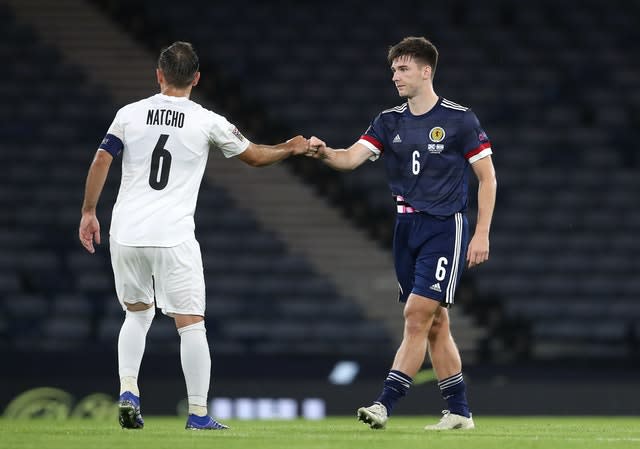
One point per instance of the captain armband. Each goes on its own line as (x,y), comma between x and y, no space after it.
(112,144)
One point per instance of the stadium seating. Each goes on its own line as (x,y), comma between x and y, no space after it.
(558,94)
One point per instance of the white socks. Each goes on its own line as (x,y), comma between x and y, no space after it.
(194,355)
(131,343)
(196,365)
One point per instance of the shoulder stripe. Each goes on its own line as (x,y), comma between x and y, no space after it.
(451,105)
(399,109)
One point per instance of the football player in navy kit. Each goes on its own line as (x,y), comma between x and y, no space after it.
(427,145)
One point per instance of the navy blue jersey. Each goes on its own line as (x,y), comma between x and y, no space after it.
(427,156)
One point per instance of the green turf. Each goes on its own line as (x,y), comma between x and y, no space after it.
(331,433)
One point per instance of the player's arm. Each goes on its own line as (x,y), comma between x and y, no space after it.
(258,155)
(339,159)
(478,251)
(89,225)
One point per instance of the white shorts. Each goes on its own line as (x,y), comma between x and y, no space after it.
(174,274)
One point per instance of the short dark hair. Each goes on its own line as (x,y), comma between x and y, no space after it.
(418,48)
(179,63)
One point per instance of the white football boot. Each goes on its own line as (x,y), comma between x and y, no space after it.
(375,415)
(450,421)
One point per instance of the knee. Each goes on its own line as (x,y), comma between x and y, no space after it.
(187,320)
(138,306)
(198,326)
(416,324)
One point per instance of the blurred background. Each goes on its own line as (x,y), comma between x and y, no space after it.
(301,295)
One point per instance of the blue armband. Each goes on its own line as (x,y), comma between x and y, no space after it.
(112,144)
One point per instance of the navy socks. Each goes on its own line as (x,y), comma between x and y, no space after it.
(453,391)
(396,386)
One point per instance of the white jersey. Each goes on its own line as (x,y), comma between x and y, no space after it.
(165,142)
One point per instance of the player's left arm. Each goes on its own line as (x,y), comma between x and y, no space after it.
(89,225)
(478,250)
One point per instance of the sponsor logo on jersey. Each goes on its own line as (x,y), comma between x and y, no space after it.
(397,139)
(436,134)
(238,134)
(435,148)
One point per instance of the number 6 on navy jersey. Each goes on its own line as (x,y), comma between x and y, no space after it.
(415,163)
(160,164)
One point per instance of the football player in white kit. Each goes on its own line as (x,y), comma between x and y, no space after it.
(164,141)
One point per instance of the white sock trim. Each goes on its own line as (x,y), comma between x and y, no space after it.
(198,410)
(129,383)
(144,317)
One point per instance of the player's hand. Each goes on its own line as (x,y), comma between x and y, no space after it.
(478,251)
(299,145)
(89,231)
(317,148)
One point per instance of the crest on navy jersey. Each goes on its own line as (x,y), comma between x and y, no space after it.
(436,134)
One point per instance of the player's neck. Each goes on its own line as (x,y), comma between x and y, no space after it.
(175,92)
(422,103)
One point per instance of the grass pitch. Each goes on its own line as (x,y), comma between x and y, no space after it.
(331,433)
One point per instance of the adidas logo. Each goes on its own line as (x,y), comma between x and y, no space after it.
(397,139)
(436,287)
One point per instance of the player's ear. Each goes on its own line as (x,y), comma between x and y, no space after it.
(426,72)
(159,76)
(196,79)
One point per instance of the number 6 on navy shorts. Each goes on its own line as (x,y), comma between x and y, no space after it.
(429,255)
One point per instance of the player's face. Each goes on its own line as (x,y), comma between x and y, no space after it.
(408,76)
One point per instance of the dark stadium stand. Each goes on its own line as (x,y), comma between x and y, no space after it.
(559,95)
(55,296)
(557,92)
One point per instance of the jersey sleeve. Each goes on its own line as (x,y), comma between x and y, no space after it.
(373,138)
(225,136)
(475,142)
(113,140)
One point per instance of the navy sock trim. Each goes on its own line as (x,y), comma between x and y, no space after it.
(451,381)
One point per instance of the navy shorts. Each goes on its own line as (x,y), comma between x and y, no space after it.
(429,255)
